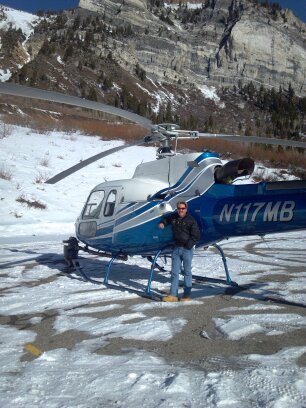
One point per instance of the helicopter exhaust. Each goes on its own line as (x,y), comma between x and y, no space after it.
(234,169)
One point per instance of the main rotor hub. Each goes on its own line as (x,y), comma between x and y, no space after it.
(167,132)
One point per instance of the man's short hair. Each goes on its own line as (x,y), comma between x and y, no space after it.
(182,203)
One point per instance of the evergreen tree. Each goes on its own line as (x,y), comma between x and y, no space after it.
(68,52)
(92,94)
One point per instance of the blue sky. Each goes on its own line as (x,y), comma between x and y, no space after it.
(34,5)
(298,6)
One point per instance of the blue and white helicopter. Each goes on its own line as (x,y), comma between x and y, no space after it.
(120,218)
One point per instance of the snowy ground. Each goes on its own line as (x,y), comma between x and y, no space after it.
(70,343)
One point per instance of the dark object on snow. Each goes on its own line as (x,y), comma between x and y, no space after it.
(71,250)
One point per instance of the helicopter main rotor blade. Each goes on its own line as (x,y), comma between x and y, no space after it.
(8,88)
(254,139)
(92,159)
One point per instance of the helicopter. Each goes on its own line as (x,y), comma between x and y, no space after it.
(120,218)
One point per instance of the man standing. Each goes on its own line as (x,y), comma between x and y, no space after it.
(186,233)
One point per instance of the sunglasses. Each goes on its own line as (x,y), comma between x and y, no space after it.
(181,208)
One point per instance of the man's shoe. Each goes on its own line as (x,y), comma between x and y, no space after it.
(185,299)
(170,298)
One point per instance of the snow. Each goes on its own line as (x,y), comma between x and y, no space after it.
(5,75)
(237,327)
(209,92)
(18,19)
(43,156)
(190,6)
(34,293)
(59,60)
(162,98)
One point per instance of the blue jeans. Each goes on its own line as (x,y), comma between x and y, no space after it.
(180,255)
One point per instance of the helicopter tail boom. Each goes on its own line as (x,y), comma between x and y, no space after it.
(259,209)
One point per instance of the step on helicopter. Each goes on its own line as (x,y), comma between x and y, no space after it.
(120,218)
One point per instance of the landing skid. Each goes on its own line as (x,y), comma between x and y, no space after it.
(199,278)
(70,254)
(153,295)
(228,278)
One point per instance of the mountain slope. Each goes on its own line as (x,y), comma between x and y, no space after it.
(15,28)
(222,65)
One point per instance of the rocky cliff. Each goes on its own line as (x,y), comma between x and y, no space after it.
(221,66)
(216,42)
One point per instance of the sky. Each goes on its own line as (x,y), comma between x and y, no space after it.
(298,6)
(36,292)
(34,5)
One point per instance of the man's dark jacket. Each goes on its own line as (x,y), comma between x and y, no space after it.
(185,230)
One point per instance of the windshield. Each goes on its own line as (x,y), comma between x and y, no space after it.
(93,205)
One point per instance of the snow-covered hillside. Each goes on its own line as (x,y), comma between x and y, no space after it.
(29,158)
(18,20)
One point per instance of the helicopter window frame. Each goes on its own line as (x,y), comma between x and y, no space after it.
(109,206)
(93,205)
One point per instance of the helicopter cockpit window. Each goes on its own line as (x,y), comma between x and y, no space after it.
(93,205)
(110,204)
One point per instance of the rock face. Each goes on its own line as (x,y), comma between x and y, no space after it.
(15,28)
(216,42)
(107,5)
(268,51)
(230,66)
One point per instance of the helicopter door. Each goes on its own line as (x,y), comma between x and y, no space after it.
(107,216)
(110,203)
